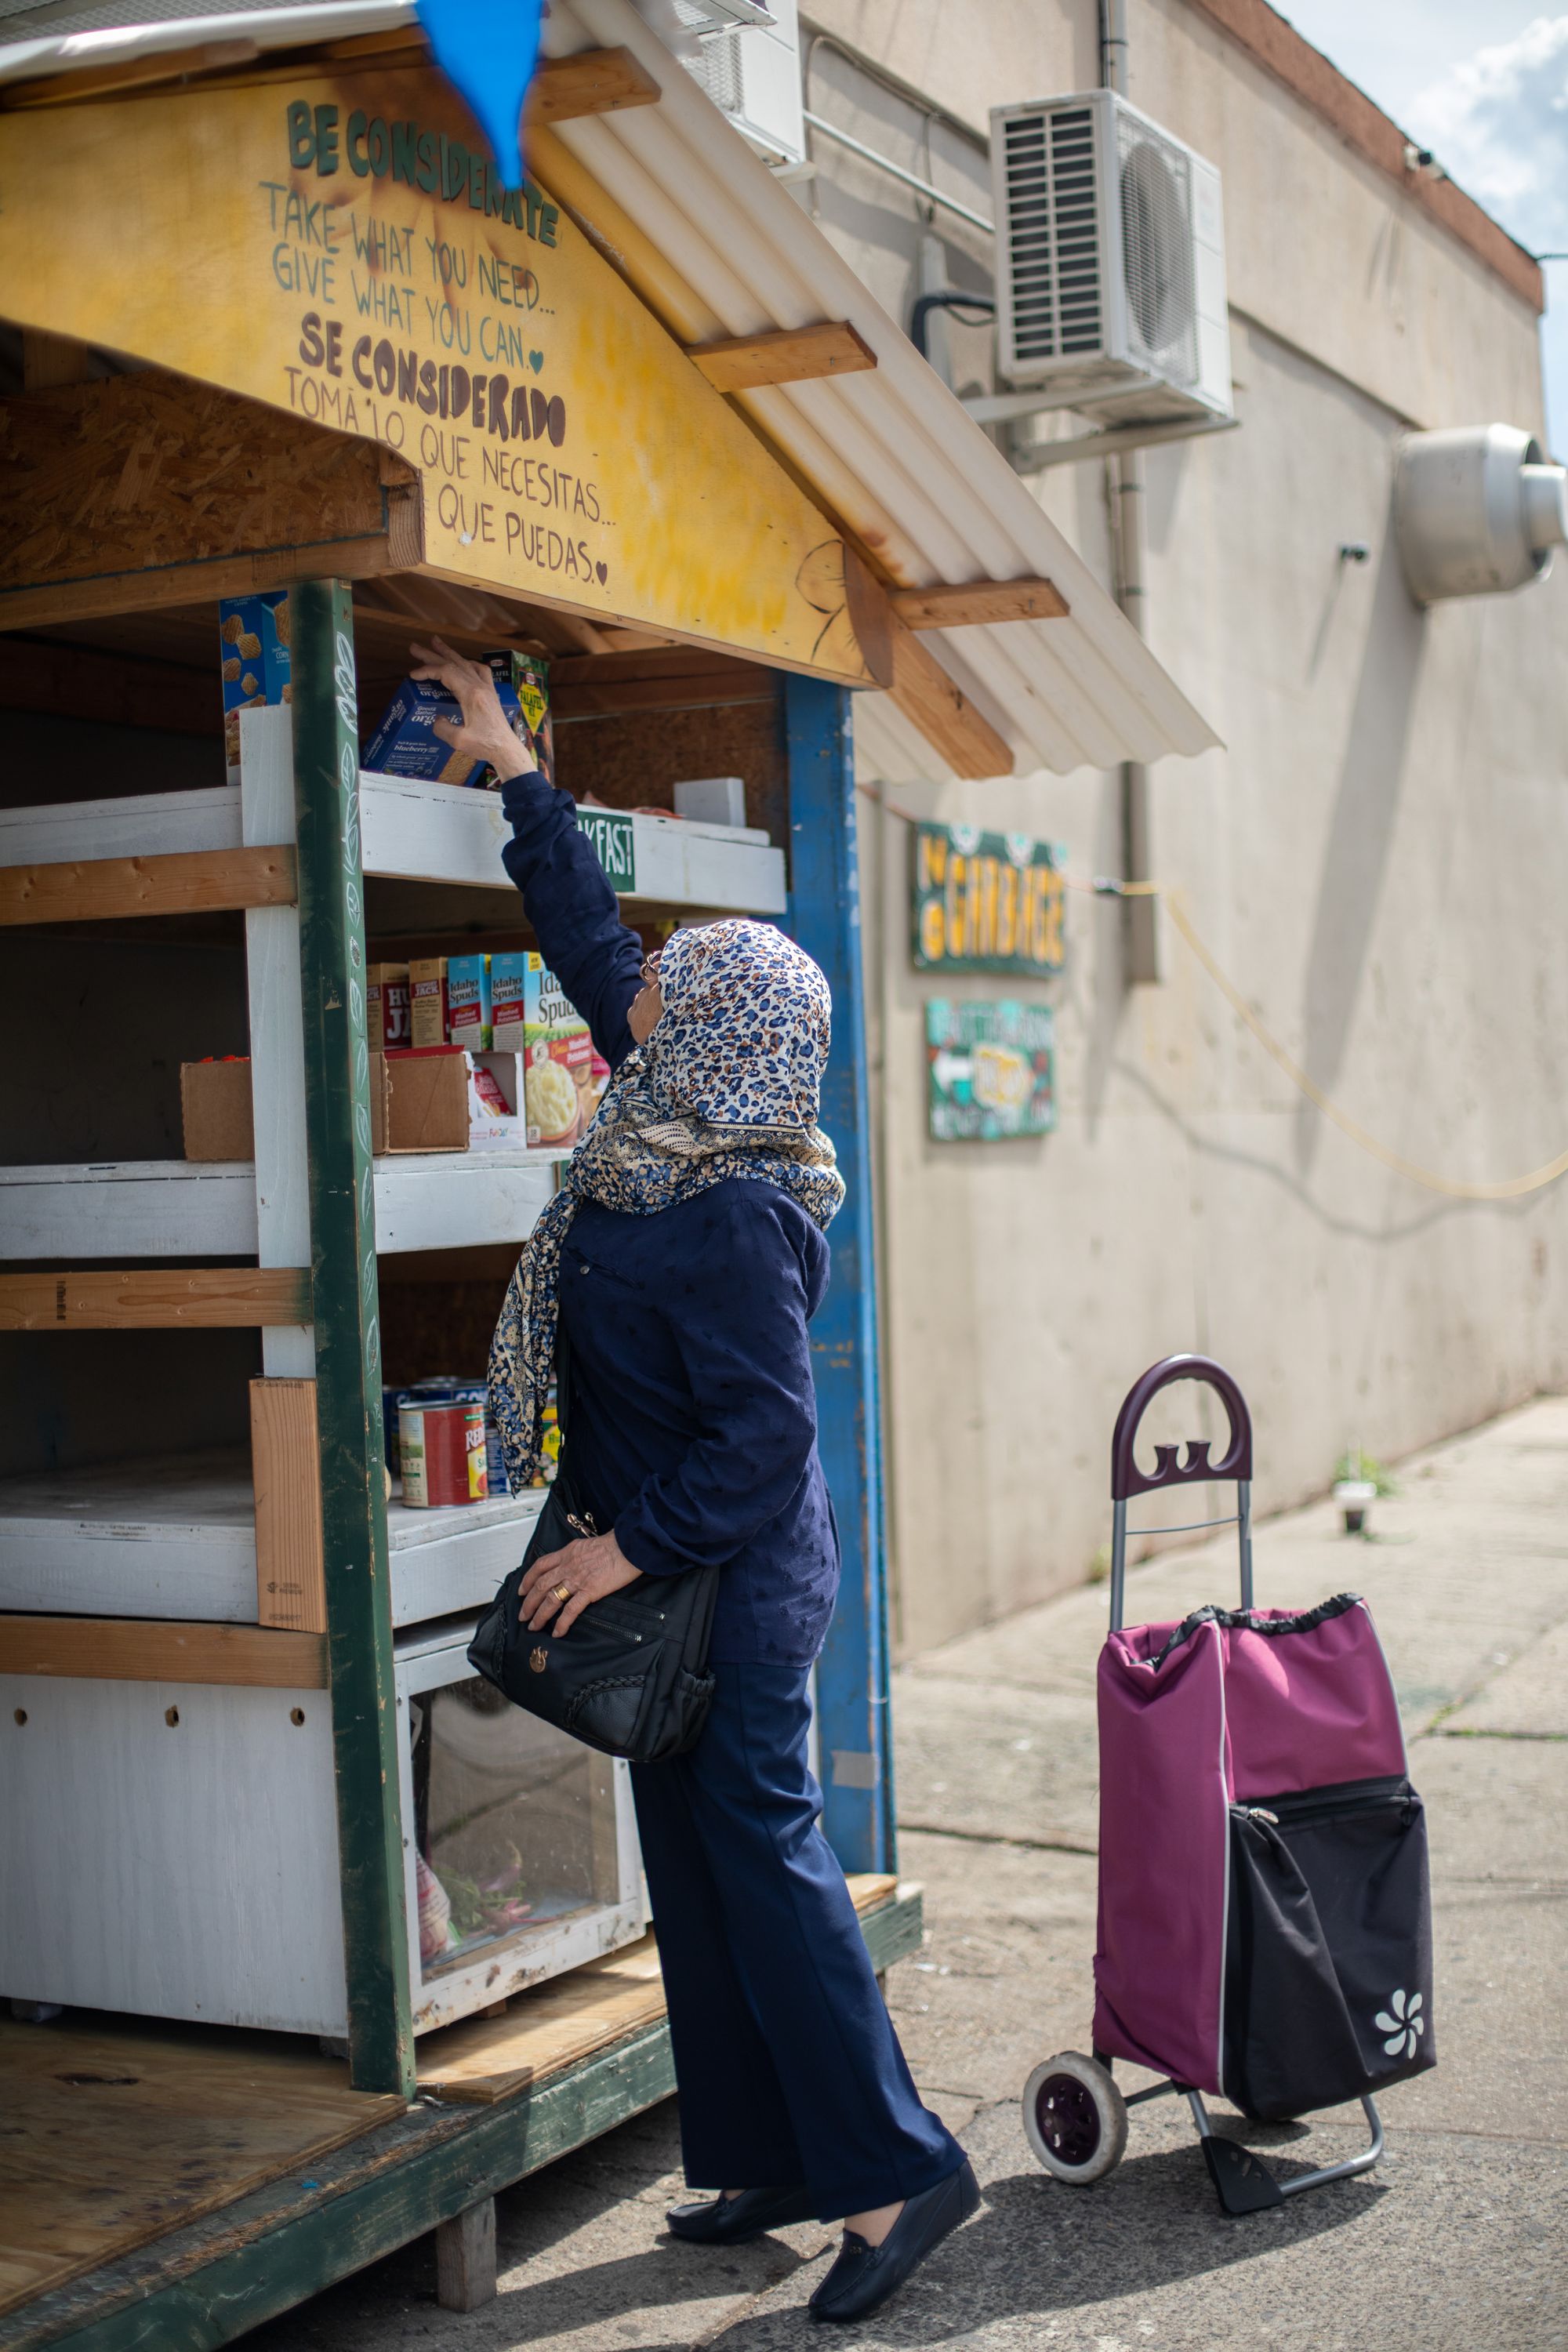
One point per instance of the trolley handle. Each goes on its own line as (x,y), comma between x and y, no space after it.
(1170,1470)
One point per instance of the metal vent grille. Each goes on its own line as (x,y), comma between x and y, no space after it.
(717,66)
(1154,177)
(1053,234)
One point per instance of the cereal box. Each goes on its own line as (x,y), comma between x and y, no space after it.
(469,1001)
(427,1001)
(253,642)
(406,744)
(525,677)
(387,1007)
(562,1077)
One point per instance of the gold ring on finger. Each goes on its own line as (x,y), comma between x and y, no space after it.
(561,1592)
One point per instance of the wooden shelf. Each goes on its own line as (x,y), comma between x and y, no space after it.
(176,1538)
(411,832)
(191,1208)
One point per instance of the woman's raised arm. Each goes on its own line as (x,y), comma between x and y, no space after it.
(566,894)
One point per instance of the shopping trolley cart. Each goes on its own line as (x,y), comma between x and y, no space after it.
(1265,1928)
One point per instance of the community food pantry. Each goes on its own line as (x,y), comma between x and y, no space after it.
(310,1943)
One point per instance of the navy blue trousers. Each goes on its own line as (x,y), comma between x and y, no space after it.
(786,2064)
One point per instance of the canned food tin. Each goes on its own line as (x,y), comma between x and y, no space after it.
(442,1448)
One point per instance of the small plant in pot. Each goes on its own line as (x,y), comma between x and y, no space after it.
(1359,1482)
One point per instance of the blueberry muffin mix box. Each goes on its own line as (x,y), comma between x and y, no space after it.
(253,638)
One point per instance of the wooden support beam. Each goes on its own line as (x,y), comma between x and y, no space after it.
(286,1469)
(596,82)
(929,698)
(183,882)
(148,489)
(188,1298)
(153,1649)
(466,2258)
(791,355)
(978,601)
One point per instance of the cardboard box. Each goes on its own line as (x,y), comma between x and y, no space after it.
(525,677)
(428,1003)
(406,744)
(419,1100)
(497,1125)
(387,1007)
(255,658)
(469,1001)
(214,1109)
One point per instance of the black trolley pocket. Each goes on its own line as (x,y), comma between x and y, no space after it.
(1328,1988)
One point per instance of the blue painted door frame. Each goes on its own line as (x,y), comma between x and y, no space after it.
(853,1718)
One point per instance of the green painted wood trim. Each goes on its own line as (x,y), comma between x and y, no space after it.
(348,1338)
(292,2239)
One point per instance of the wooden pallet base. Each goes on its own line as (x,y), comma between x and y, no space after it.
(205,2280)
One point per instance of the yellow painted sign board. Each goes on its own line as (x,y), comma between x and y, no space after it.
(338,246)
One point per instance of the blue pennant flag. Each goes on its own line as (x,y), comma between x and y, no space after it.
(488,50)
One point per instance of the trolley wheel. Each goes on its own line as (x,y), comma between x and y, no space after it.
(1075,2117)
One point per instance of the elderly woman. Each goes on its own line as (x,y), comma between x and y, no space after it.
(691,1264)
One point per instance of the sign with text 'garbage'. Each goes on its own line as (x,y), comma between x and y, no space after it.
(986,902)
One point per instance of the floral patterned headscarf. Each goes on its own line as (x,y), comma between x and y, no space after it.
(728,1085)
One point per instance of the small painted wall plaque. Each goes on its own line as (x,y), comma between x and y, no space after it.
(991,1070)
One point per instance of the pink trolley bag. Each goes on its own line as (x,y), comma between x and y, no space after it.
(1265,1927)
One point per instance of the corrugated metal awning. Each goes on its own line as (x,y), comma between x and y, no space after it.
(717,246)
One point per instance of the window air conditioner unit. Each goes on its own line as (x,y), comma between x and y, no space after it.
(750,70)
(1109,261)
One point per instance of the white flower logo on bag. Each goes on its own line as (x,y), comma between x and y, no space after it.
(1404,2026)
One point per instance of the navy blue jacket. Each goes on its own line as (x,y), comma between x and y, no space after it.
(693,1409)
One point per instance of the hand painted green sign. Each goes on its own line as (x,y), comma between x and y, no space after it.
(613,838)
(986,902)
(992,1070)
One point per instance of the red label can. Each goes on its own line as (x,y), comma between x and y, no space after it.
(442,1448)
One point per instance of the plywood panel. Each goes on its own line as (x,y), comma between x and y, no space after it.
(541,2032)
(147,489)
(286,1463)
(113,2137)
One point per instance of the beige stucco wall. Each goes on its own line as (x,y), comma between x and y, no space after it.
(1379,857)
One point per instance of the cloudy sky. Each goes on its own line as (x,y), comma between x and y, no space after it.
(1483,83)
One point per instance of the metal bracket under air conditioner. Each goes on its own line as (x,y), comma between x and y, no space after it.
(1077,448)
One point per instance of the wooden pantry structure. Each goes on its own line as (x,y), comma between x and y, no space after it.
(272,323)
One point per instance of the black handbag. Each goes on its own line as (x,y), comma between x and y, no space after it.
(631,1678)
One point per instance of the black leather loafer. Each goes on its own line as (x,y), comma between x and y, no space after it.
(864,2276)
(726,2221)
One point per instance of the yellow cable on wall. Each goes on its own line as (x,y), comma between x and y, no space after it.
(1510,1188)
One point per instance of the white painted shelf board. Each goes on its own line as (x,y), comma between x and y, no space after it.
(410,831)
(175,1536)
(202,1208)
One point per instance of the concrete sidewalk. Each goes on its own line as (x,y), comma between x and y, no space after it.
(1458,2242)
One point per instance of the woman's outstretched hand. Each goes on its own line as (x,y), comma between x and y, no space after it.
(484,733)
(588,1569)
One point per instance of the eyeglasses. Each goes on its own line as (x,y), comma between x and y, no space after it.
(650,963)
